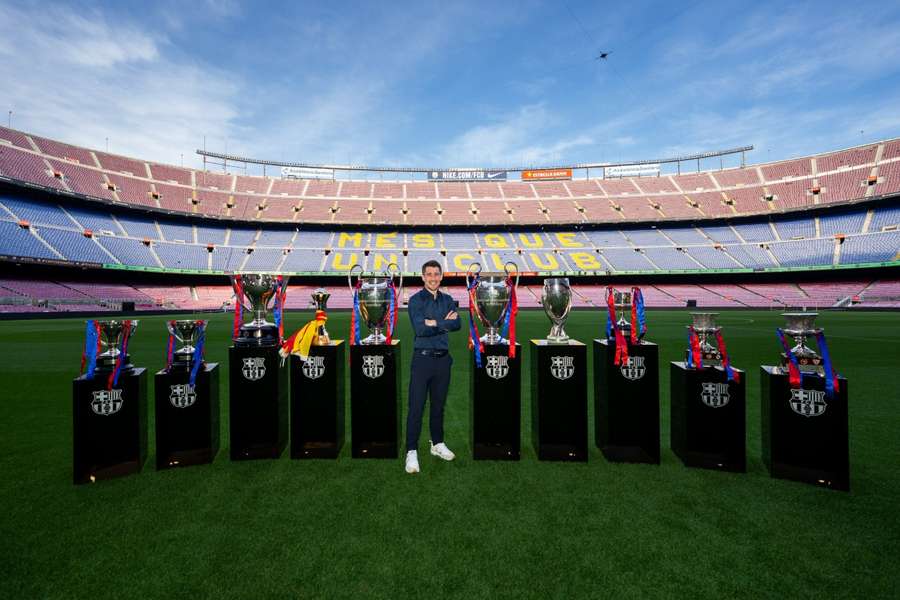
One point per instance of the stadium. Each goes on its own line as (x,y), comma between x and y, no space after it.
(92,234)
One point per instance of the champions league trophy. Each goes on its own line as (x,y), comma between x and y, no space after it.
(376,302)
(375,363)
(259,290)
(804,410)
(557,300)
(493,293)
(109,405)
(186,399)
(708,401)
(320,298)
(258,378)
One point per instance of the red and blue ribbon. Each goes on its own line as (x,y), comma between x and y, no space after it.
(238,286)
(475,343)
(355,316)
(392,311)
(612,329)
(280,298)
(795,378)
(832,384)
(638,324)
(199,348)
(726,362)
(170,347)
(695,355)
(91,348)
(509,318)
(123,352)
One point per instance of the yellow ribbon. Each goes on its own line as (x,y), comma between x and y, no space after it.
(303,338)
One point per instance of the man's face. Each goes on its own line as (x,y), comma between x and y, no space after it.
(432,278)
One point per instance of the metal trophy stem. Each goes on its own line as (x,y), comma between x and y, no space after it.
(801,326)
(320,298)
(374,299)
(186,332)
(492,296)
(556,298)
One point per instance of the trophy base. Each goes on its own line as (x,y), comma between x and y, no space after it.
(258,403)
(489,340)
(375,400)
(558,340)
(317,402)
(805,433)
(374,339)
(626,402)
(495,396)
(708,424)
(109,426)
(187,420)
(559,417)
(257,336)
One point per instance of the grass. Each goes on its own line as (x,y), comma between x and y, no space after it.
(354,528)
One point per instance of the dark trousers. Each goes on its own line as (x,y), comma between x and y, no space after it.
(428,376)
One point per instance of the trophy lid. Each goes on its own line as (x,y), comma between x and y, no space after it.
(800,323)
(704,321)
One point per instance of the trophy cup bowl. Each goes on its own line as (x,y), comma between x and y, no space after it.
(556,298)
(492,297)
(259,289)
(374,301)
(704,324)
(320,298)
(111,332)
(186,332)
(799,326)
(622,301)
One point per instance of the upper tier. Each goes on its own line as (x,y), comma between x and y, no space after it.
(838,177)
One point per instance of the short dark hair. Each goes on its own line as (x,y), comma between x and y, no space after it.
(432,263)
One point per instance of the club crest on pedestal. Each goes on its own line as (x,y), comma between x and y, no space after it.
(497,366)
(182,395)
(106,402)
(313,367)
(809,403)
(714,395)
(562,367)
(634,368)
(373,366)
(254,368)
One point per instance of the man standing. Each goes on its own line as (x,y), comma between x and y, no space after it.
(433,315)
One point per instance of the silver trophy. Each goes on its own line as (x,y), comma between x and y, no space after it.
(557,300)
(111,333)
(492,298)
(704,325)
(622,301)
(320,298)
(801,326)
(259,289)
(374,299)
(186,331)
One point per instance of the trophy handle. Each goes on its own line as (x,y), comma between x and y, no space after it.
(507,270)
(389,273)
(472,272)
(350,276)
(238,295)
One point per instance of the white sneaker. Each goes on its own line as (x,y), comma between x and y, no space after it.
(443,451)
(412,462)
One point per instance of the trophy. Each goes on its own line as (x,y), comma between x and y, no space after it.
(320,298)
(376,300)
(701,332)
(800,326)
(492,296)
(258,289)
(622,301)
(557,300)
(186,332)
(111,335)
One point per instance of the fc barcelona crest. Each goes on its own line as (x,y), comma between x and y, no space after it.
(373,366)
(809,403)
(254,368)
(313,367)
(182,395)
(497,366)
(633,369)
(562,367)
(714,395)
(106,402)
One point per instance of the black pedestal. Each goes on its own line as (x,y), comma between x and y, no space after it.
(708,422)
(375,400)
(559,400)
(187,419)
(258,403)
(495,393)
(804,433)
(317,402)
(109,437)
(626,402)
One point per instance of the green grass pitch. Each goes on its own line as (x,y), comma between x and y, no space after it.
(466,529)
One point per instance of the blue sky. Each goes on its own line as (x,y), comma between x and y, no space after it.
(452,84)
